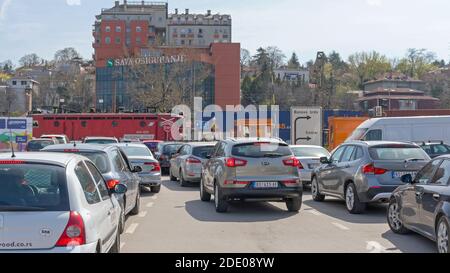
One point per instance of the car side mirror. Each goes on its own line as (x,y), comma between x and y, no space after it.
(120,189)
(325,160)
(407,179)
(208,156)
(137,169)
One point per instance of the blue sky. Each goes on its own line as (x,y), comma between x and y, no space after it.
(303,26)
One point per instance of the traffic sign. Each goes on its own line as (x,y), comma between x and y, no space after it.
(306,126)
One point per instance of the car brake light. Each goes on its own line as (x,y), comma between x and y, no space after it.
(294,162)
(234,162)
(291,182)
(193,160)
(111,184)
(11,162)
(156,166)
(370,169)
(236,183)
(300,166)
(71,151)
(74,234)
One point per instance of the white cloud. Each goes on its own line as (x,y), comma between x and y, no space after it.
(374,3)
(73,2)
(3,8)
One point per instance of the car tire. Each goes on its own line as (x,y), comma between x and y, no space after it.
(315,191)
(116,246)
(442,235)
(122,220)
(137,206)
(172,178)
(220,202)
(354,206)
(294,204)
(183,183)
(393,218)
(156,189)
(204,195)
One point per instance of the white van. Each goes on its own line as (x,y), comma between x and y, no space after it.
(406,129)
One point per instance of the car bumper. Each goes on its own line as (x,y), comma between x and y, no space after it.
(262,194)
(150,179)
(378,194)
(306,176)
(88,248)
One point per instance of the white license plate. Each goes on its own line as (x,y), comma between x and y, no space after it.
(400,174)
(265,185)
(313,166)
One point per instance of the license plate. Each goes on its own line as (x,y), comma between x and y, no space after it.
(313,166)
(400,174)
(265,185)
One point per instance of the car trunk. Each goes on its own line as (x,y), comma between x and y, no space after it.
(144,162)
(31,230)
(396,169)
(266,169)
(309,163)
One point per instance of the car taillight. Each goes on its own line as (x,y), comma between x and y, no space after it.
(11,162)
(71,151)
(294,162)
(156,166)
(300,166)
(111,184)
(370,169)
(291,182)
(234,162)
(193,160)
(74,234)
(236,183)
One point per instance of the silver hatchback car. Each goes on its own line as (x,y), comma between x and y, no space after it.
(252,170)
(366,172)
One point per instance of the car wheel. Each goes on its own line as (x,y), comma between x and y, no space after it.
(220,203)
(116,247)
(394,221)
(204,195)
(172,178)
(294,204)
(315,191)
(137,206)
(354,206)
(183,183)
(156,189)
(122,220)
(442,235)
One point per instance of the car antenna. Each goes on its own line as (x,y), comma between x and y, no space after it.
(74,144)
(13,154)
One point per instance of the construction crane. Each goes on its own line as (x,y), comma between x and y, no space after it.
(323,87)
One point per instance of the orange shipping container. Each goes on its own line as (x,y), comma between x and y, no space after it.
(340,128)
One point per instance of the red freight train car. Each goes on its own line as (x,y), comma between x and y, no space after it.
(128,126)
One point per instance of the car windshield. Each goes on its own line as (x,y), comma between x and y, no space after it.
(100,141)
(310,152)
(137,151)
(202,152)
(33,187)
(261,149)
(39,144)
(395,152)
(358,134)
(171,148)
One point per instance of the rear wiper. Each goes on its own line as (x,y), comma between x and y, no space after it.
(20,208)
(273,155)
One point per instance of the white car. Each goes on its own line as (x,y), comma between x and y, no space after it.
(56,203)
(62,139)
(309,157)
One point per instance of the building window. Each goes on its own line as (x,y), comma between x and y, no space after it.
(118,40)
(118,29)
(200,30)
(128,41)
(23,83)
(108,29)
(14,82)
(190,42)
(138,40)
(107,40)
(182,42)
(138,29)
(128,30)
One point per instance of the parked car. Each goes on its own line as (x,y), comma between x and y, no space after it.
(366,172)
(252,170)
(165,152)
(422,205)
(435,149)
(309,157)
(186,165)
(62,139)
(35,145)
(152,145)
(115,168)
(57,203)
(140,155)
(100,140)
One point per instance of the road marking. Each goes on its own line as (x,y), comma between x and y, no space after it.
(142,214)
(149,205)
(122,245)
(154,197)
(375,247)
(132,228)
(340,226)
(315,212)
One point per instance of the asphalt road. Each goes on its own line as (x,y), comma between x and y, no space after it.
(175,220)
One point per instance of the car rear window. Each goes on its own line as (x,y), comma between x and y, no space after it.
(137,151)
(203,152)
(310,152)
(171,149)
(100,141)
(33,187)
(397,152)
(261,149)
(100,159)
(39,144)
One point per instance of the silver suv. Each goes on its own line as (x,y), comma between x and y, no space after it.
(365,172)
(251,170)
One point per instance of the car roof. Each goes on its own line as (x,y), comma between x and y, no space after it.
(91,147)
(41,139)
(201,144)
(377,143)
(254,139)
(61,159)
(136,145)
(97,137)
(51,135)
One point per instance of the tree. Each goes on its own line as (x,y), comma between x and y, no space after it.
(368,66)
(66,55)
(417,63)
(245,57)
(276,57)
(293,62)
(30,60)
(6,67)
(339,65)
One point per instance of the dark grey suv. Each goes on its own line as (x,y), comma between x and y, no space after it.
(251,170)
(364,172)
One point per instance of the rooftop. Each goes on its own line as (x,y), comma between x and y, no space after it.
(142,7)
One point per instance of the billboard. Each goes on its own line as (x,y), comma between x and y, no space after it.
(16,130)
